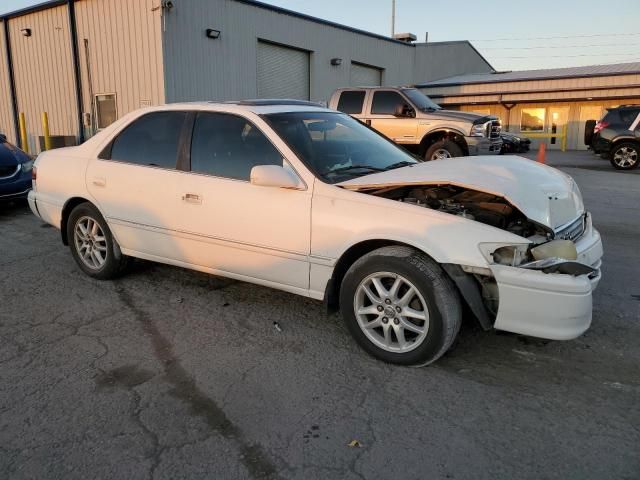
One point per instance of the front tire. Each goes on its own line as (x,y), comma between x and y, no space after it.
(625,156)
(442,150)
(400,306)
(92,245)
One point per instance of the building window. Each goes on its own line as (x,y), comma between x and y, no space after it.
(106,112)
(532,119)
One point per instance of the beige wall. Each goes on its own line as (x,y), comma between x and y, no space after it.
(125,52)
(43,70)
(6,110)
(575,139)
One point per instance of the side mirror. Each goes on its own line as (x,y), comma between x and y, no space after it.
(274,176)
(3,138)
(403,110)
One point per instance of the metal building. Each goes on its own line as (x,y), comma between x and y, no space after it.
(88,62)
(542,102)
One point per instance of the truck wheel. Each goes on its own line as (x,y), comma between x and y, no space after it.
(625,156)
(400,306)
(443,149)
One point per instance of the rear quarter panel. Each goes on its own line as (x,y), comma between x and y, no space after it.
(60,176)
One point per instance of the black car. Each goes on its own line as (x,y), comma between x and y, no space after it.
(617,136)
(15,171)
(514,144)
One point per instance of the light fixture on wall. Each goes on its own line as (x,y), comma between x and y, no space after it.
(336,62)
(212,33)
(26,32)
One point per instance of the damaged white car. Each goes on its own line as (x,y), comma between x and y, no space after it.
(307,200)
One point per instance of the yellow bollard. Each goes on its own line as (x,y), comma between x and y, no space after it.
(24,144)
(45,131)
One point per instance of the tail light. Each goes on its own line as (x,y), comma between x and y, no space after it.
(601,125)
(34,174)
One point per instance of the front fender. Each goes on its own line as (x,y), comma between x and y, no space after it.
(343,218)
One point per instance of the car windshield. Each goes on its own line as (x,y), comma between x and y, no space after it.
(420,100)
(337,147)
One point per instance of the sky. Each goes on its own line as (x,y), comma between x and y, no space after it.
(511,34)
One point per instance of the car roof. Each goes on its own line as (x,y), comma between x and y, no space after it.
(259,107)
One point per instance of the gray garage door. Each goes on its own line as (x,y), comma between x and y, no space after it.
(282,72)
(363,76)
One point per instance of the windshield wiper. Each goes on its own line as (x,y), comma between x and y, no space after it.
(356,167)
(404,163)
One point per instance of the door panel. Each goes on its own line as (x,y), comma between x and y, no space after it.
(141,204)
(136,185)
(232,225)
(382,118)
(557,123)
(260,232)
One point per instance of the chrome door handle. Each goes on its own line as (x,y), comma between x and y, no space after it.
(192,198)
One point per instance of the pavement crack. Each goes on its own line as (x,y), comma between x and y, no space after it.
(186,389)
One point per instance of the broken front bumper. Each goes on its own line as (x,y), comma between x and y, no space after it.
(549,305)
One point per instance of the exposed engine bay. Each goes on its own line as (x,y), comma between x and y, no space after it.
(474,205)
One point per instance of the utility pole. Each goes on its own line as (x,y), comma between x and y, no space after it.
(393,18)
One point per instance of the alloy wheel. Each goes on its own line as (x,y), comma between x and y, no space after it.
(391,312)
(90,242)
(625,157)
(440,154)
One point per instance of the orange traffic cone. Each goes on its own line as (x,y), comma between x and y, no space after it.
(542,152)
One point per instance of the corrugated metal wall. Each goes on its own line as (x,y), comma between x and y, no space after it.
(43,70)
(6,109)
(125,52)
(198,68)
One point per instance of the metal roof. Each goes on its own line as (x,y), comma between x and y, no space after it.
(545,74)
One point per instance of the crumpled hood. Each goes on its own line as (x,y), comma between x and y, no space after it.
(545,195)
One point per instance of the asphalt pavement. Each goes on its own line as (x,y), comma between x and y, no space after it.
(168,373)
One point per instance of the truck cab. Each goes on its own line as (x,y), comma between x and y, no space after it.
(411,119)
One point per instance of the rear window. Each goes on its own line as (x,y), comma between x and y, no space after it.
(351,102)
(628,115)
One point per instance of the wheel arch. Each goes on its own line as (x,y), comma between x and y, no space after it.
(464,283)
(350,255)
(68,207)
(434,136)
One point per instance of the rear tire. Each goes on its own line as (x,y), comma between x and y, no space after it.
(92,244)
(443,149)
(393,323)
(625,156)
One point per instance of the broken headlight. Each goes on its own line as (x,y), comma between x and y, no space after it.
(511,255)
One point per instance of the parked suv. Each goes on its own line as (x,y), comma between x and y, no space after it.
(617,136)
(409,118)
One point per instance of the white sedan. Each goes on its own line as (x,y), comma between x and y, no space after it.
(308,200)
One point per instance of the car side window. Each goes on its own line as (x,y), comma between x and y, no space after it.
(385,103)
(229,146)
(351,102)
(629,116)
(152,139)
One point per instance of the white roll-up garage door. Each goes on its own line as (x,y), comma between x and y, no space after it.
(363,76)
(282,72)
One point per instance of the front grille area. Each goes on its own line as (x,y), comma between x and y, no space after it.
(573,231)
(496,128)
(8,171)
